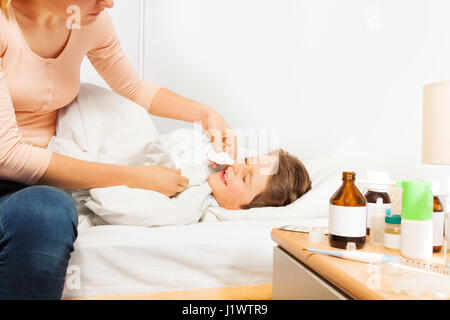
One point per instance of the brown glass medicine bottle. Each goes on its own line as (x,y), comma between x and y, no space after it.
(347,217)
(437,209)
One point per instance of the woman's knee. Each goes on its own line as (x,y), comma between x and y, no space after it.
(37,231)
(40,211)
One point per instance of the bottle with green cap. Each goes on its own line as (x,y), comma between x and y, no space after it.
(392,232)
(416,240)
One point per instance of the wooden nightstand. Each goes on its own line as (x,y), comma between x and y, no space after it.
(298,274)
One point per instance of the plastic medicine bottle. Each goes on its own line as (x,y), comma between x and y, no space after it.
(438,224)
(392,232)
(377,224)
(416,240)
(347,215)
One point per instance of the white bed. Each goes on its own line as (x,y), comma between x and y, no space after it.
(110,260)
(228,248)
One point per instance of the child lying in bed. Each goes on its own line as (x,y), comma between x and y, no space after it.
(277,179)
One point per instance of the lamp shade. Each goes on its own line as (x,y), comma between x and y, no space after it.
(436,123)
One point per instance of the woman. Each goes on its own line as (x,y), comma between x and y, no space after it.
(40,59)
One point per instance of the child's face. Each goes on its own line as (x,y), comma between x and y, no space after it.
(239,184)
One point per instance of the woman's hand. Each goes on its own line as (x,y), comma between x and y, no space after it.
(220,133)
(158,178)
(168,104)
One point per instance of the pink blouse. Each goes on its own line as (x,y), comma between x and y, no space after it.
(32,89)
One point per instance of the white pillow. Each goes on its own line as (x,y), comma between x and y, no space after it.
(314,204)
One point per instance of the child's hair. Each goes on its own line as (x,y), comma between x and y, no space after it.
(4,4)
(290,182)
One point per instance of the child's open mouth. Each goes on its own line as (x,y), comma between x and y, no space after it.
(224,176)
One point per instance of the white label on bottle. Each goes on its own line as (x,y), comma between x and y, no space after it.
(416,240)
(371,207)
(391,241)
(438,228)
(347,221)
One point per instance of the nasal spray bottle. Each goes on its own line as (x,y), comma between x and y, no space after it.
(416,240)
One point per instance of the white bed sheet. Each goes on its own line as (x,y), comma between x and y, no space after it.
(110,260)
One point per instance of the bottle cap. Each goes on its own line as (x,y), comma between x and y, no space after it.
(348,175)
(436,188)
(417,200)
(395,219)
(379,209)
(378,180)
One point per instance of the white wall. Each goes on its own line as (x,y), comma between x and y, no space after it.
(125,15)
(320,71)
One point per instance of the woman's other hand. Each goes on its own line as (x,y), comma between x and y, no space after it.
(220,133)
(158,178)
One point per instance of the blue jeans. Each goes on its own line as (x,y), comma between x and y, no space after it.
(38,226)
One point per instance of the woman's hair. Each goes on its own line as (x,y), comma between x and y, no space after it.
(4,4)
(289,183)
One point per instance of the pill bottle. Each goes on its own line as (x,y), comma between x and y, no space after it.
(392,232)
(347,215)
(416,241)
(377,224)
(378,184)
(438,219)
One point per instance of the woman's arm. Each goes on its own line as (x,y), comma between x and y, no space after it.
(69,173)
(108,58)
(111,63)
(168,104)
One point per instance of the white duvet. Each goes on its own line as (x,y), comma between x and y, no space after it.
(102,126)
